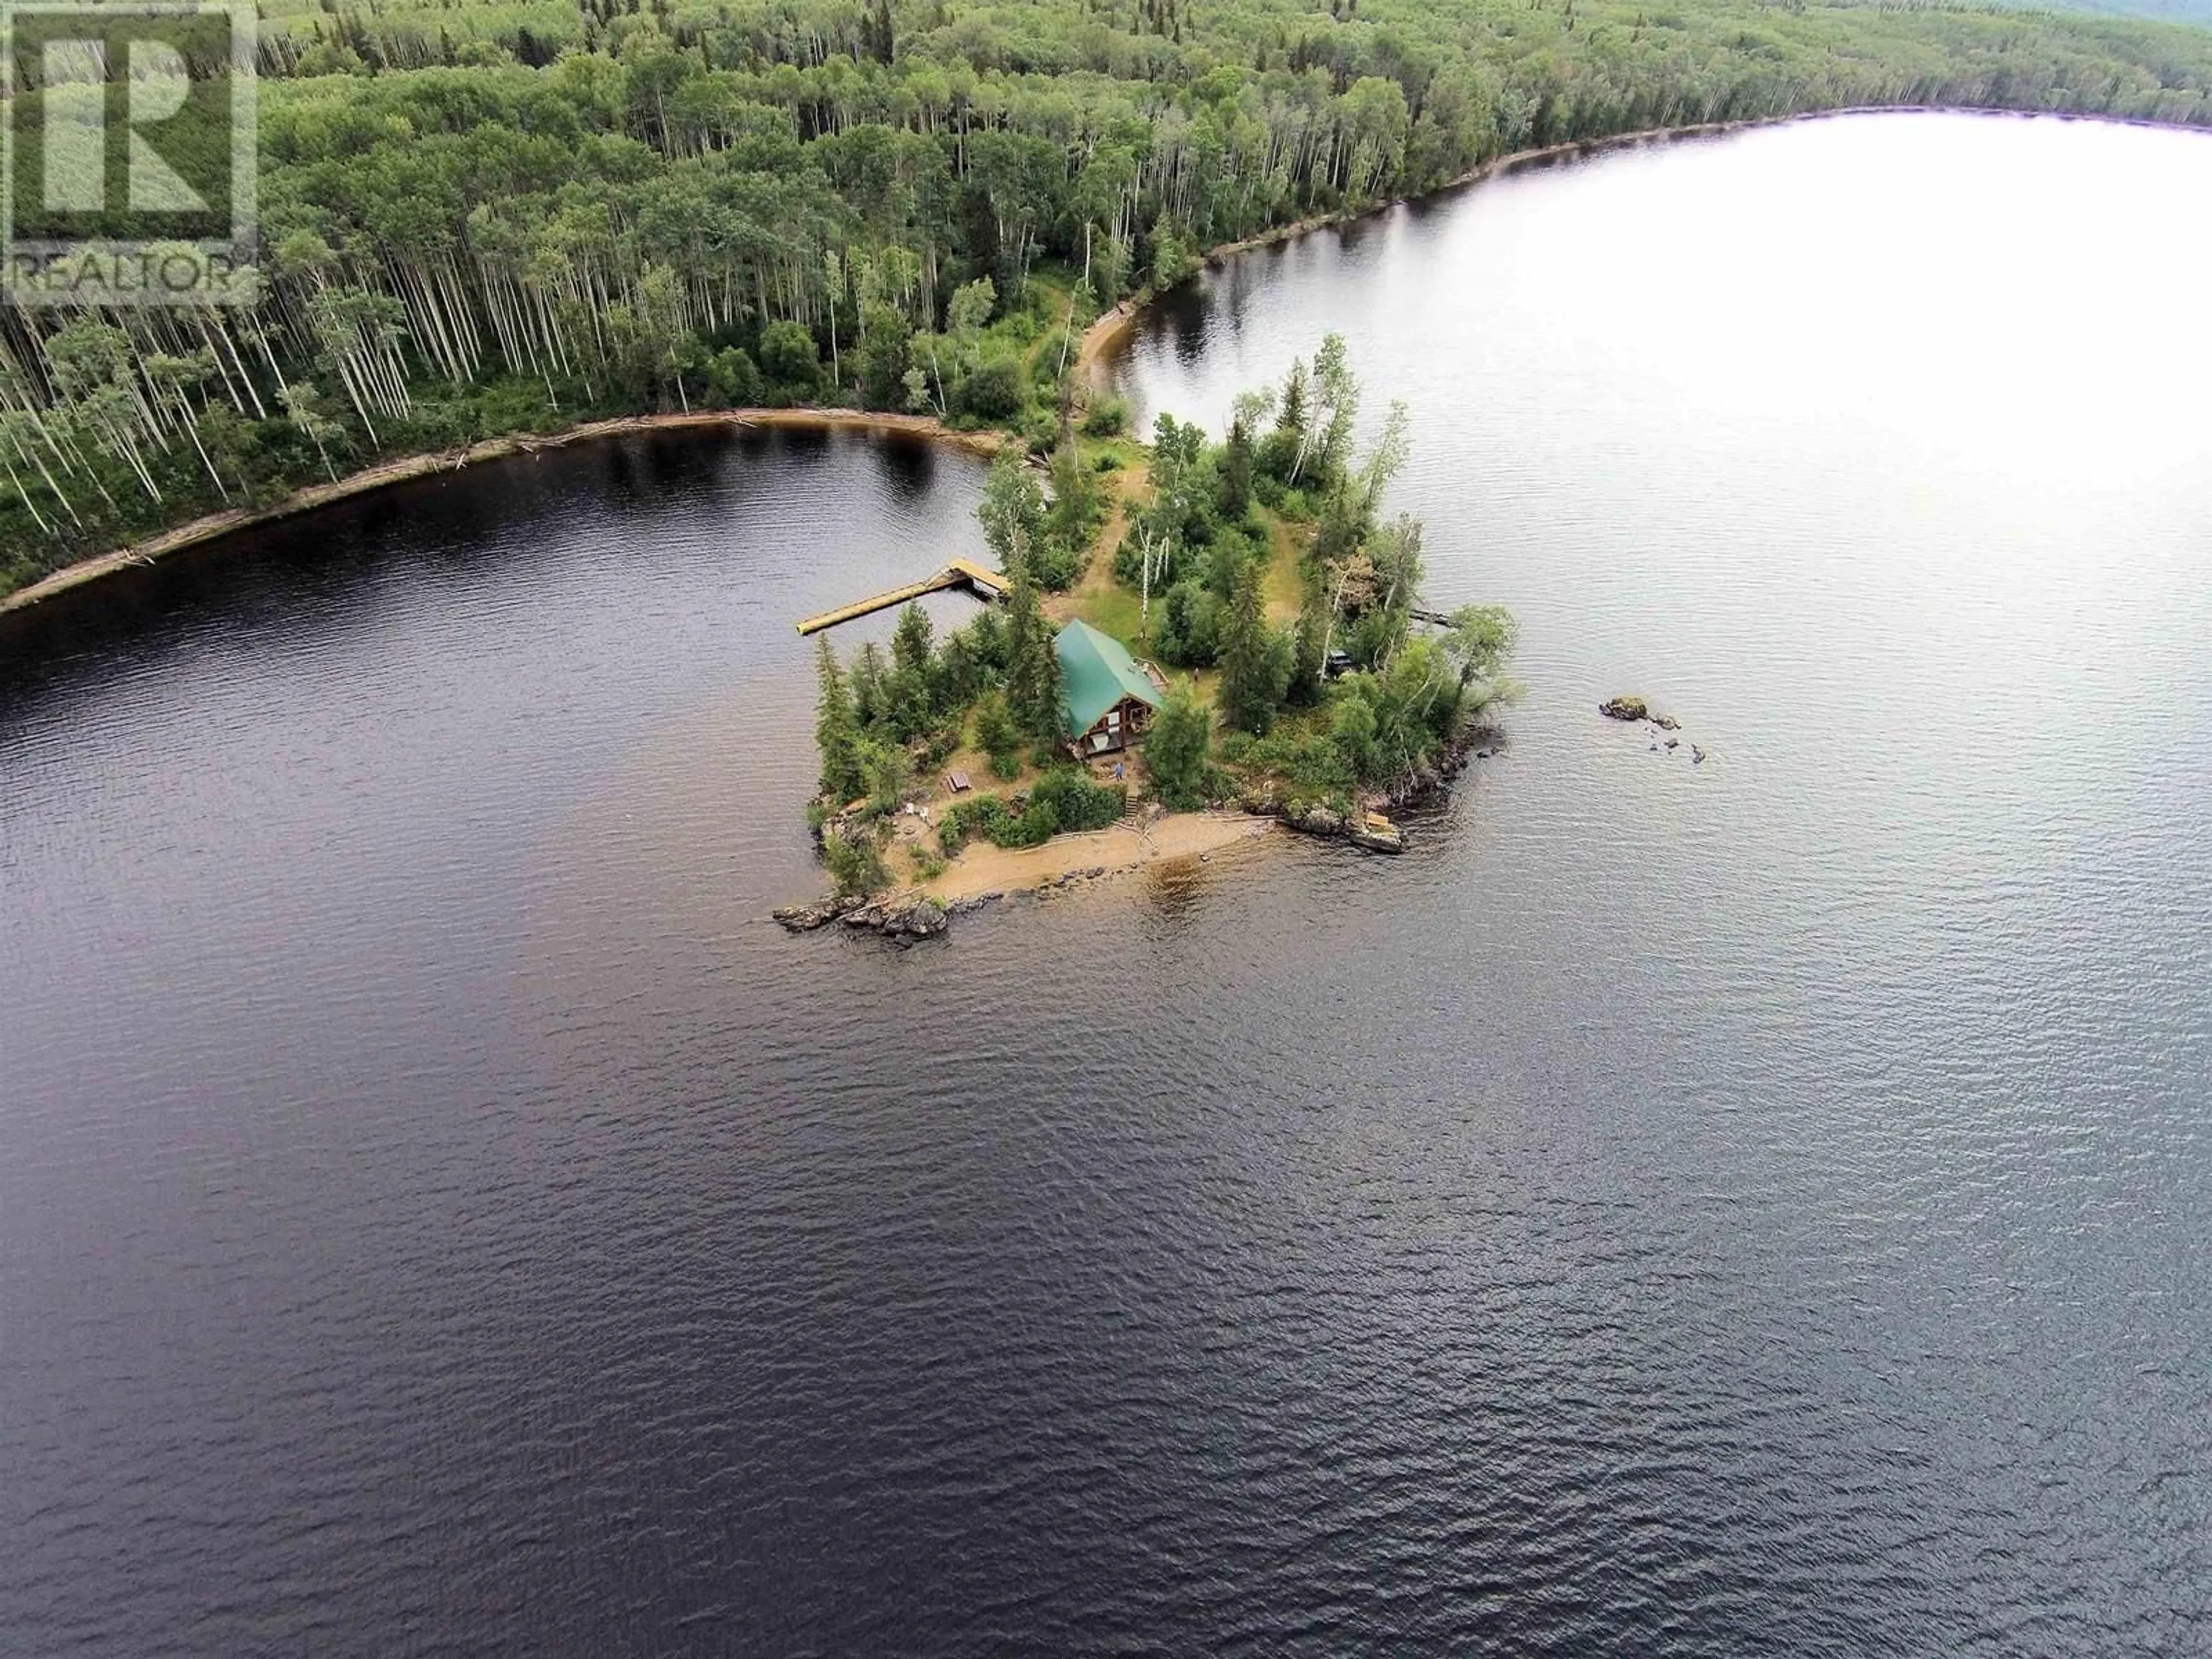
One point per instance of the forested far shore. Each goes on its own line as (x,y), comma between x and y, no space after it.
(478,220)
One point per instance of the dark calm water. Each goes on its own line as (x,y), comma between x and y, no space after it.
(1764,1206)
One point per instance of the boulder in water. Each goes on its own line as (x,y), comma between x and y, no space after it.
(806,918)
(921,918)
(1625,709)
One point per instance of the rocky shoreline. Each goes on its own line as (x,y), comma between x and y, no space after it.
(1423,784)
(910,918)
(907,918)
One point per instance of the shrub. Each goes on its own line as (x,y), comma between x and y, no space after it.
(856,864)
(510,404)
(1310,761)
(1032,827)
(1075,802)
(1037,822)
(1273,456)
(1055,565)
(1175,754)
(995,734)
(1190,624)
(1106,418)
(1128,563)
(790,357)
(733,379)
(991,392)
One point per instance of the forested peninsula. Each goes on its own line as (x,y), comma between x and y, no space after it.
(1231,624)
(481,221)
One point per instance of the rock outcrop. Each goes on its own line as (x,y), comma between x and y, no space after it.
(1418,784)
(1318,820)
(904,919)
(1664,726)
(806,918)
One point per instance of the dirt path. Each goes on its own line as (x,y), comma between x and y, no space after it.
(1284,589)
(1095,594)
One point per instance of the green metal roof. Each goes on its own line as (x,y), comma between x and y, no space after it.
(1096,672)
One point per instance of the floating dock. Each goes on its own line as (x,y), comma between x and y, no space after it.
(961,572)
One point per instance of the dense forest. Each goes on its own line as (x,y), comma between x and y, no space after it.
(478,219)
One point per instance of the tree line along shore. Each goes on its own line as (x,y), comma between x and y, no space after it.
(1198,623)
(484,222)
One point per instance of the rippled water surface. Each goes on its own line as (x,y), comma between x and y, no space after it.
(1764,1206)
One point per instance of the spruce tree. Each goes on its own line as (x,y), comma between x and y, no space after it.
(836,731)
(1254,662)
(911,639)
(1032,664)
(1309,646)
(1292,416)
(1236,473)
(870,701)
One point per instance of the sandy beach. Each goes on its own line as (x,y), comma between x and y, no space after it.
(982,868)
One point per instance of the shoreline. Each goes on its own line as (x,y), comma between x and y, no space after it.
(1113,324)
(1098,340)
(213,526)
(983,871)
(984,875)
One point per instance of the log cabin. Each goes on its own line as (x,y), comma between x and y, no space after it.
(1106,697)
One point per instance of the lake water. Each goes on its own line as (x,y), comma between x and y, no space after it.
(1760,1206)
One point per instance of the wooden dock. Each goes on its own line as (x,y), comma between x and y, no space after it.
(961,572)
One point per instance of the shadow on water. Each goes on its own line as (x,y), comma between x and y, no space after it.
(909,465)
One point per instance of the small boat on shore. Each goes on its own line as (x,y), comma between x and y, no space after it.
(1377,834)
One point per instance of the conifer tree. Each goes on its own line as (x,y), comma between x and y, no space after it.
(870,702)
(1255,661)
(836,731)
(1032,664)
(911,642)
(1237,472)
(1175,752)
